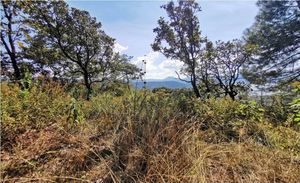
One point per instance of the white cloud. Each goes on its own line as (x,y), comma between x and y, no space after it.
(157,66)
(120,48)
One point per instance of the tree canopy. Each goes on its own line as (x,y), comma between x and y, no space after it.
(64,42)
(276,31)
(13,29)
(179,37)
(69,45)
(209,68)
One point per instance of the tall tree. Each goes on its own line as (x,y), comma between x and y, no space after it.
(229,57)
(180,37)
(78,36)
(12,28)
(277,33)
(45,56)
(122,70)
(208,84)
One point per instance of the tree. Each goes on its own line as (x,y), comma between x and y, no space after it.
(122,70)
(86,48)
(276,31)
(229,57)
(12,29)
(45,56)
(72,45)
(179,37)
(208,84)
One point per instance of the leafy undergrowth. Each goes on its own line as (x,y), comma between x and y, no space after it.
(141,136)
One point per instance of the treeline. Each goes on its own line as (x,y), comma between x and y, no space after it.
(51,133)
(67,44)
(50,38)
(268,54)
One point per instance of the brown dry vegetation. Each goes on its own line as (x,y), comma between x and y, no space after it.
(141,136)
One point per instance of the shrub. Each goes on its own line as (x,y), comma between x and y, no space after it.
(141,136)
(35,107)
(295,105)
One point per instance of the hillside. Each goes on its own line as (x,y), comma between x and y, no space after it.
(77,104)
(140,136)
(169,82)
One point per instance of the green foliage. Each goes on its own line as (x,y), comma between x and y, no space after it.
(250,110)
(12,34)
(138,128)
(282,138)
(276,33)
(75,116)
(175,37)
(205,66)
(295,105)
(226,118)
(36,107)
(26,84)
(277,109)
(86,48)
(225,62)
(128,135)
(104,107)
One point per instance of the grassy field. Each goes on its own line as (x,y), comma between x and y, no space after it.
(50,134)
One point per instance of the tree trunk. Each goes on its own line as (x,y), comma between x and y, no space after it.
(89,92)
(87,86)
(232,96)
(195,87)
(196,90)
(17,72)
(12,55)
(12,50)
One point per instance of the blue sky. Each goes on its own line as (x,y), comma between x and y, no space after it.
(131,23)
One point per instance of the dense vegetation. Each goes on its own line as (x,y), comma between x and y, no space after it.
(68,113)
(49,134)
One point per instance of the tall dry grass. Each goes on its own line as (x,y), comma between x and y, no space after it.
(141,136)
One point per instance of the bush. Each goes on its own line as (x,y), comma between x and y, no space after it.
(36,107)
(295,105)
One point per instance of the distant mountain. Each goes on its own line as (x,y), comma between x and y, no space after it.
(169,82)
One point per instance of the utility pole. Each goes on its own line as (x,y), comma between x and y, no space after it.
(144,72)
